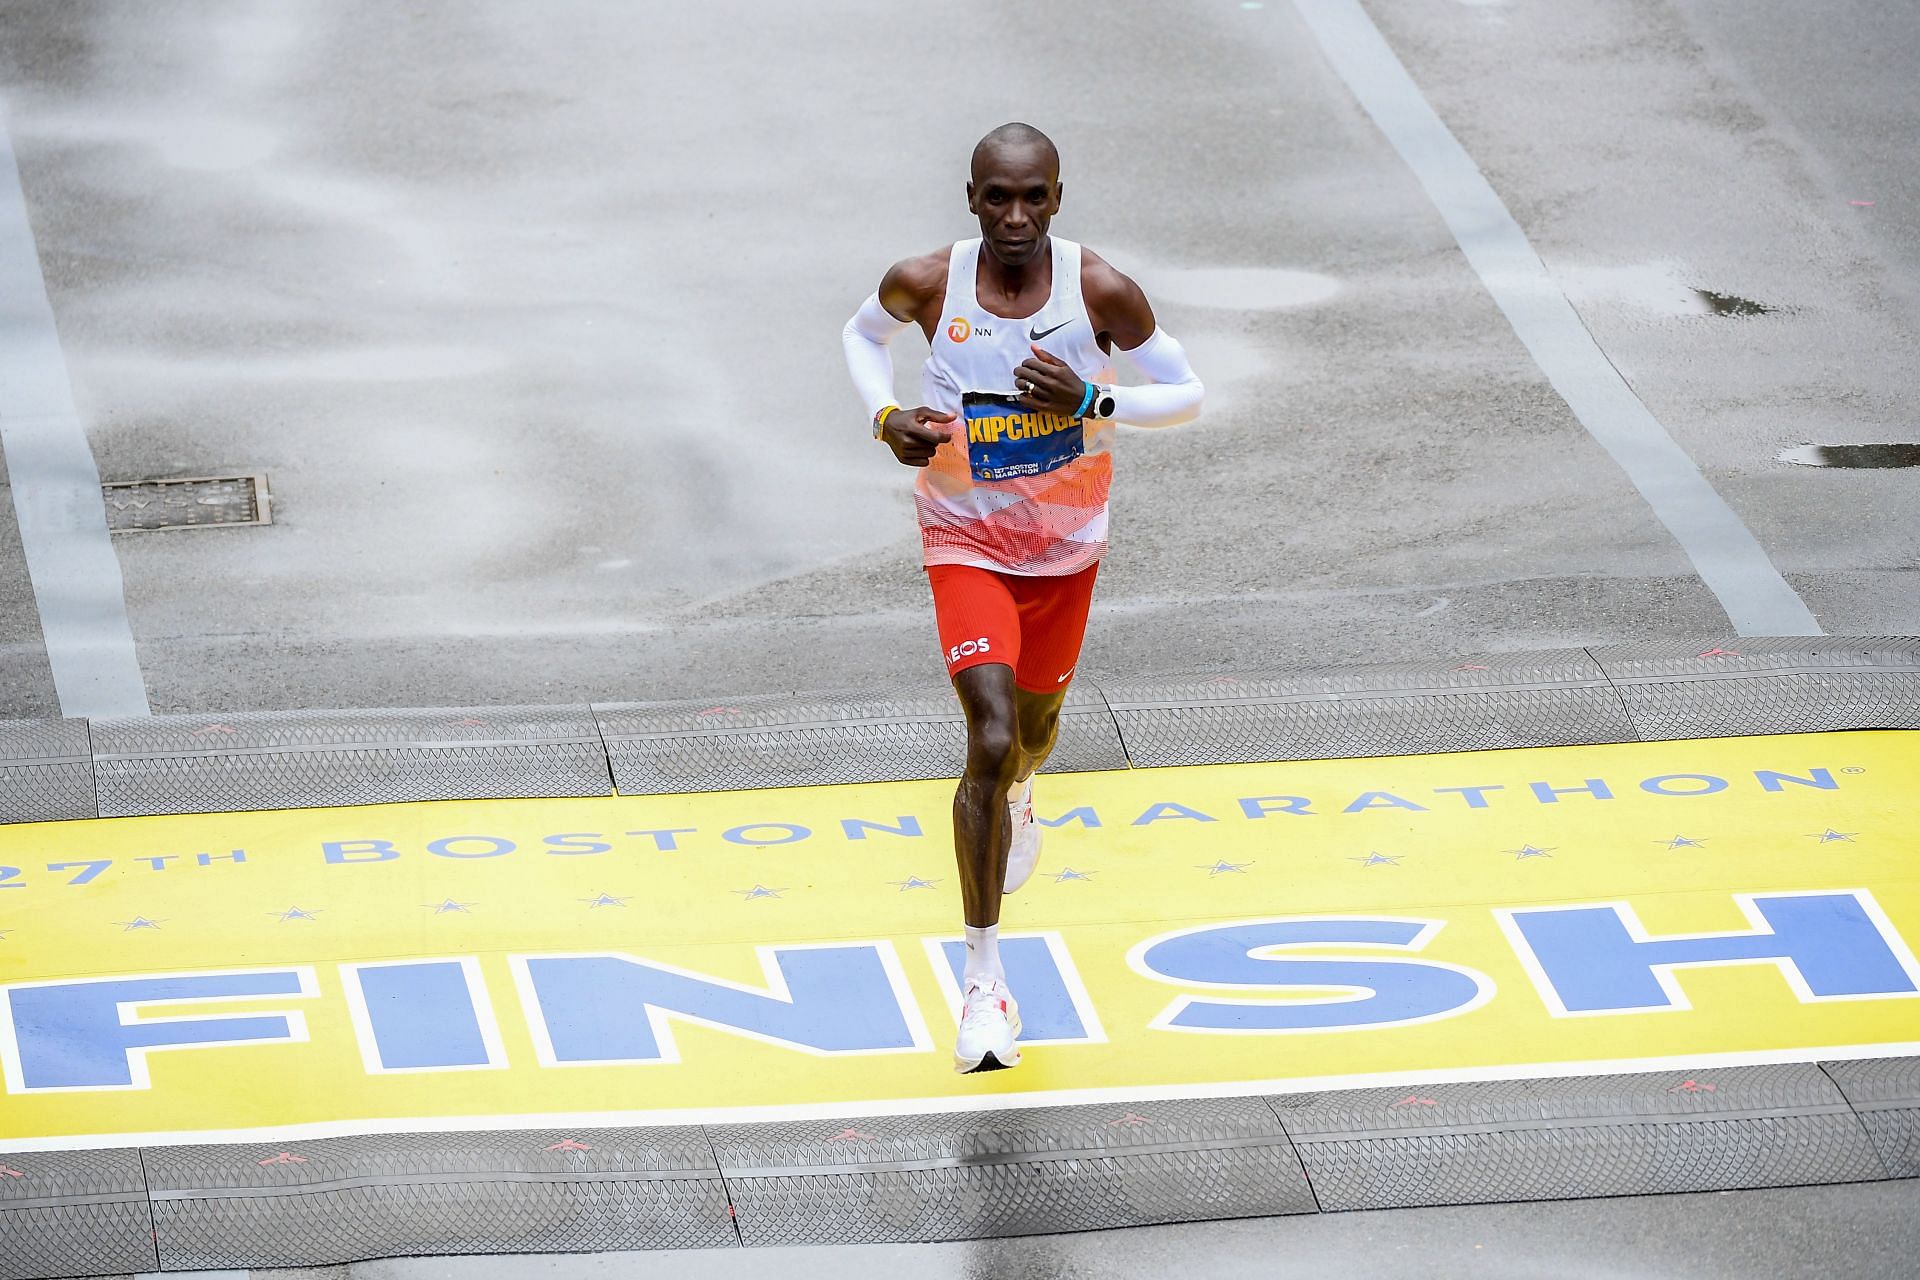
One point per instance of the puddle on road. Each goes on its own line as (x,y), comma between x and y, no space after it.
(1238,288)
(1853,455)
(1726,304)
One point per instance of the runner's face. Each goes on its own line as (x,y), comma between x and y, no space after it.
(1015,192)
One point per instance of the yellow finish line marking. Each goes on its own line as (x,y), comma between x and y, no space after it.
(774,954)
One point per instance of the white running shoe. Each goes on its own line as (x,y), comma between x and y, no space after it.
(989,1029)
(1023,851)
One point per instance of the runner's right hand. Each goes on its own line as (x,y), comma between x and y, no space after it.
(913,434)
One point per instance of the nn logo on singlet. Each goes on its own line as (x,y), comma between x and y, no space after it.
(959,330)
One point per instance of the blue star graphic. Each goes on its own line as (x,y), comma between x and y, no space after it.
(1529,851)
(605,900)
(1068,873)
(138,922)
(1223,867)
(442,908)
(913,882)
(293,913)
(1682,842)
(1379,860)
(1830,835)
(759,891)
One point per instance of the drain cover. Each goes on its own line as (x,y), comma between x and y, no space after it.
(1853,455)
(191,502)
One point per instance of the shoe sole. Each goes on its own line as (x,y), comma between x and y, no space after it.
(990,1061)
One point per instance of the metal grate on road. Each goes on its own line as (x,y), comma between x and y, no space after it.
(190,502)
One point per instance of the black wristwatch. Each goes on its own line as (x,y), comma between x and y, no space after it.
(1102,405)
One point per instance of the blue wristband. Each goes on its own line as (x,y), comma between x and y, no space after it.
(1085,400)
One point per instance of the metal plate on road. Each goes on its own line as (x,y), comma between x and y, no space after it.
(789,954)
(190,502)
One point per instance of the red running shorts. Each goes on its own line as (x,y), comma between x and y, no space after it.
(1032,624)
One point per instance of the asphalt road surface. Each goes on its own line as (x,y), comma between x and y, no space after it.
(532,319)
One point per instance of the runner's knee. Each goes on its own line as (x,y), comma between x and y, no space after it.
(993,746)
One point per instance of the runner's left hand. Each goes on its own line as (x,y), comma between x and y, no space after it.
(1050,385)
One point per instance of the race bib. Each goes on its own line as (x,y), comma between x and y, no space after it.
(1007,440)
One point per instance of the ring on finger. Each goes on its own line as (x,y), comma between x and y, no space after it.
(1022,385)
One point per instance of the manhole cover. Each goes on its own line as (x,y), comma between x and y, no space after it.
(191,502)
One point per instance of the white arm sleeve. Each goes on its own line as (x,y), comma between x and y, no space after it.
(865,339)
(1176,393)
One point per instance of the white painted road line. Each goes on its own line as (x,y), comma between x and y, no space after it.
(1726,555)
(56,485)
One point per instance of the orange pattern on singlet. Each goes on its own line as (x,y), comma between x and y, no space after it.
(1036,525)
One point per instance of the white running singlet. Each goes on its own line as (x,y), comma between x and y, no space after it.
(1015,490)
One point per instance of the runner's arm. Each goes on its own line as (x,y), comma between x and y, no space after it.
(908,290)
(1175,394)
(865,341)
(1126,319)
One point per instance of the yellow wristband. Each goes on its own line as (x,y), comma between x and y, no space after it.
(881,417)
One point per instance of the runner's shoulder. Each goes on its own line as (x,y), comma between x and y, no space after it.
(1102,282)
(1118,305)
(915,282)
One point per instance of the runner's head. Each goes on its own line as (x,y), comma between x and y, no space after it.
(1015,191)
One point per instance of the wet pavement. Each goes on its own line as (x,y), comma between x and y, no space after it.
(532,322)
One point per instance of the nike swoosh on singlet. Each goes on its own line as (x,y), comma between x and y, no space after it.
(1035,336)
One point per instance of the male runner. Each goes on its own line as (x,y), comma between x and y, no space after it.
(1012,442)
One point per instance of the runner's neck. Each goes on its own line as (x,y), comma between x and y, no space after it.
(1024,289)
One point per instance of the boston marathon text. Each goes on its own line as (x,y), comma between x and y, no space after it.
(1453,800)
